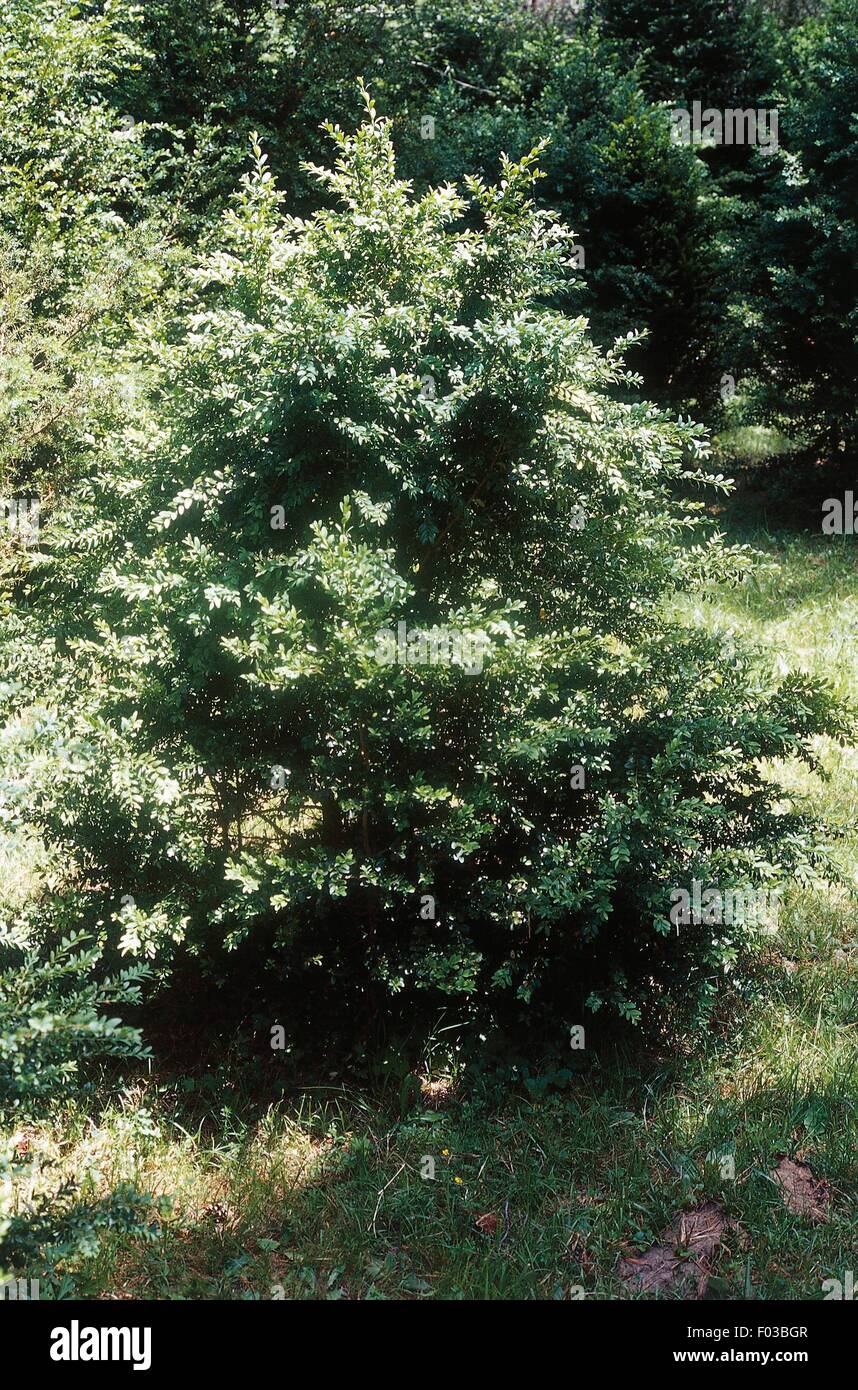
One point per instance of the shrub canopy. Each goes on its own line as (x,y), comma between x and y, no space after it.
(369,418)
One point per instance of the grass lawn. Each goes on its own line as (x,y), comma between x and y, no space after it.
(321,1195)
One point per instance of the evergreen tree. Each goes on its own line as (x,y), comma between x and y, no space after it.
(378,688)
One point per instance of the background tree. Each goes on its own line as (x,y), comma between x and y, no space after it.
(462,83)
(800,247)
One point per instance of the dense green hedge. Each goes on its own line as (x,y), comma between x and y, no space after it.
(416,385)
(369,419)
